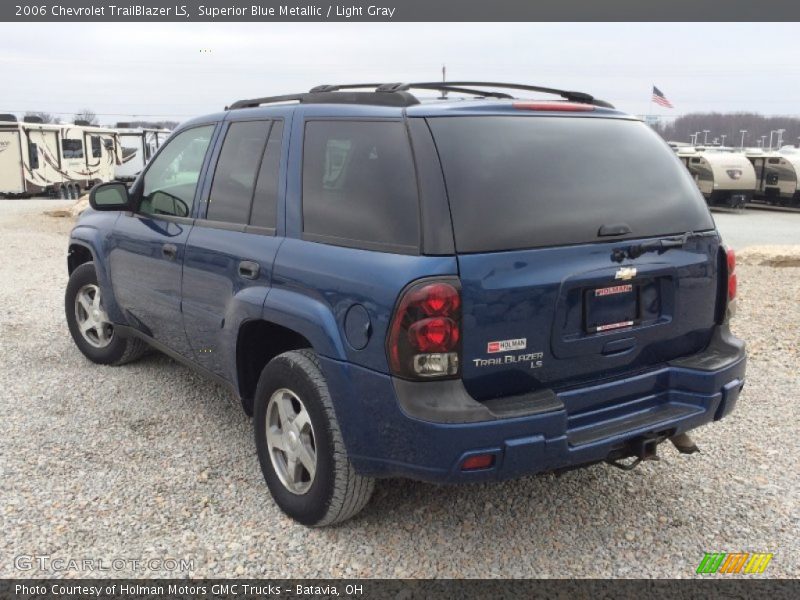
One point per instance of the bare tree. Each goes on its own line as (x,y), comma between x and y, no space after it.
(733,126)
(88,115)
(45,117)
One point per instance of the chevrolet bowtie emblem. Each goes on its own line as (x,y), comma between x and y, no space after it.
(626,273)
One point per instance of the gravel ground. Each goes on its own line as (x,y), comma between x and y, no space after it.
(152,461)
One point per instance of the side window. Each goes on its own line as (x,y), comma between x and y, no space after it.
(97,151)
(237,169)
(265,200)
(359,184)
(72,148)
(170,182)
(33,155)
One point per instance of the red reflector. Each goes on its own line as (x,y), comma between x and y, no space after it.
(479,461)
(732,285)
(558,106)
(732,282)
(731,255)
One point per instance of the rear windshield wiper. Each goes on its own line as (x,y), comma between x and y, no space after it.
(660,246)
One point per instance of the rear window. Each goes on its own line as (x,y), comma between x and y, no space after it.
(527,182)
(359,185)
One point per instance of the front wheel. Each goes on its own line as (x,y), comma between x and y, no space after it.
(300,445)
(89,324)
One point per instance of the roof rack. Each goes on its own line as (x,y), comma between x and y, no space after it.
(397,94)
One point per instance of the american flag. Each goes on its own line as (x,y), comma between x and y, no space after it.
(660,99)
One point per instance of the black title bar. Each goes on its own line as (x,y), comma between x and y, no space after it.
(398,10)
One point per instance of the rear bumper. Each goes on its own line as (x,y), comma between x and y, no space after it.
(394,428)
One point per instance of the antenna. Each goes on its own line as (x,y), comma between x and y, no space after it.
(444,82)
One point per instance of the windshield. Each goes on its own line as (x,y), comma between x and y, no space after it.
(526,182)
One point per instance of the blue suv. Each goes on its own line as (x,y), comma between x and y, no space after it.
(458,289)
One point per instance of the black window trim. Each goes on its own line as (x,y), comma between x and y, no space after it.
(411,250)
(240,227)
(137,189)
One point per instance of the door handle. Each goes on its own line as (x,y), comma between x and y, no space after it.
(249,269)
(170,251)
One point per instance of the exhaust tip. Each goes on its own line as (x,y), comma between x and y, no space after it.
(684,444)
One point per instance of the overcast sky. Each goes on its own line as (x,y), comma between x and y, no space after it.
(159,70)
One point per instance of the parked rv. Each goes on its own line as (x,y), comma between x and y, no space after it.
(725,178)
(139,144)
(777,175)
(58,160)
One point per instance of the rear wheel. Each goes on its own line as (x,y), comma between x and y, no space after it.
(89,324)
(300,445)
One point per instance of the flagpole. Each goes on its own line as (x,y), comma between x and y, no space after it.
(651,100)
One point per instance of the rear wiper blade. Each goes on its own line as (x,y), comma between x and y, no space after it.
(660,246)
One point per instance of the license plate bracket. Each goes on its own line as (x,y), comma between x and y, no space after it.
(611,308)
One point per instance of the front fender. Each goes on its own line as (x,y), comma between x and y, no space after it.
(92,232)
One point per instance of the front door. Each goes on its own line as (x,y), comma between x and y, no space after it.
(147,247)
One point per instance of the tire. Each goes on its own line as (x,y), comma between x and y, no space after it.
(99,344)
(336,492)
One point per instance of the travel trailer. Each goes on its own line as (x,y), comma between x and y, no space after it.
(57,160)
(777,175)
(725,178)
(138,147)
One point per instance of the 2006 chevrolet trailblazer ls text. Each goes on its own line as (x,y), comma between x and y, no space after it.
(460,289)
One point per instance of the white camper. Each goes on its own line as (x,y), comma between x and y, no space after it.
(725,178)
(54,159)
(138,147)
(777,175)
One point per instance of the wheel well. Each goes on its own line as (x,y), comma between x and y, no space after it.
(258,343)
(77,256)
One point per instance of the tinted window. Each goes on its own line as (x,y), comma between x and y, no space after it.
(72,148)
(235,176)
(359,183)
(265,200)
(97,151)
(170,182)
(523,182)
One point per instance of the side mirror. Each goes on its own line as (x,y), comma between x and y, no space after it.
(110,196)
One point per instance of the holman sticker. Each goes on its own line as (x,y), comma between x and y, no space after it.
(506,345)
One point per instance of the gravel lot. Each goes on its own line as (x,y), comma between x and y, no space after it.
(152,461)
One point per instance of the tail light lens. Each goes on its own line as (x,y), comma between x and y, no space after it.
(425,333)
(732,282)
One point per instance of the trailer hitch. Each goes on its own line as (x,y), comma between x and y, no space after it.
(642,448)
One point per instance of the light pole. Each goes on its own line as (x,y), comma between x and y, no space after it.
(743,131)
(723,136)
(763,140)
(770,138)
(705,137)
(693,139)
(780,137)
(697,137)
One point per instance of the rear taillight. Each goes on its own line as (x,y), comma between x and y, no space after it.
(732,283)
(425,333)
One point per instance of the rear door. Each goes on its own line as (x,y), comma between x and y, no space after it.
(556,220)
(230,252)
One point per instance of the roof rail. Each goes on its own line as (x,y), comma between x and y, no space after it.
(397,94)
